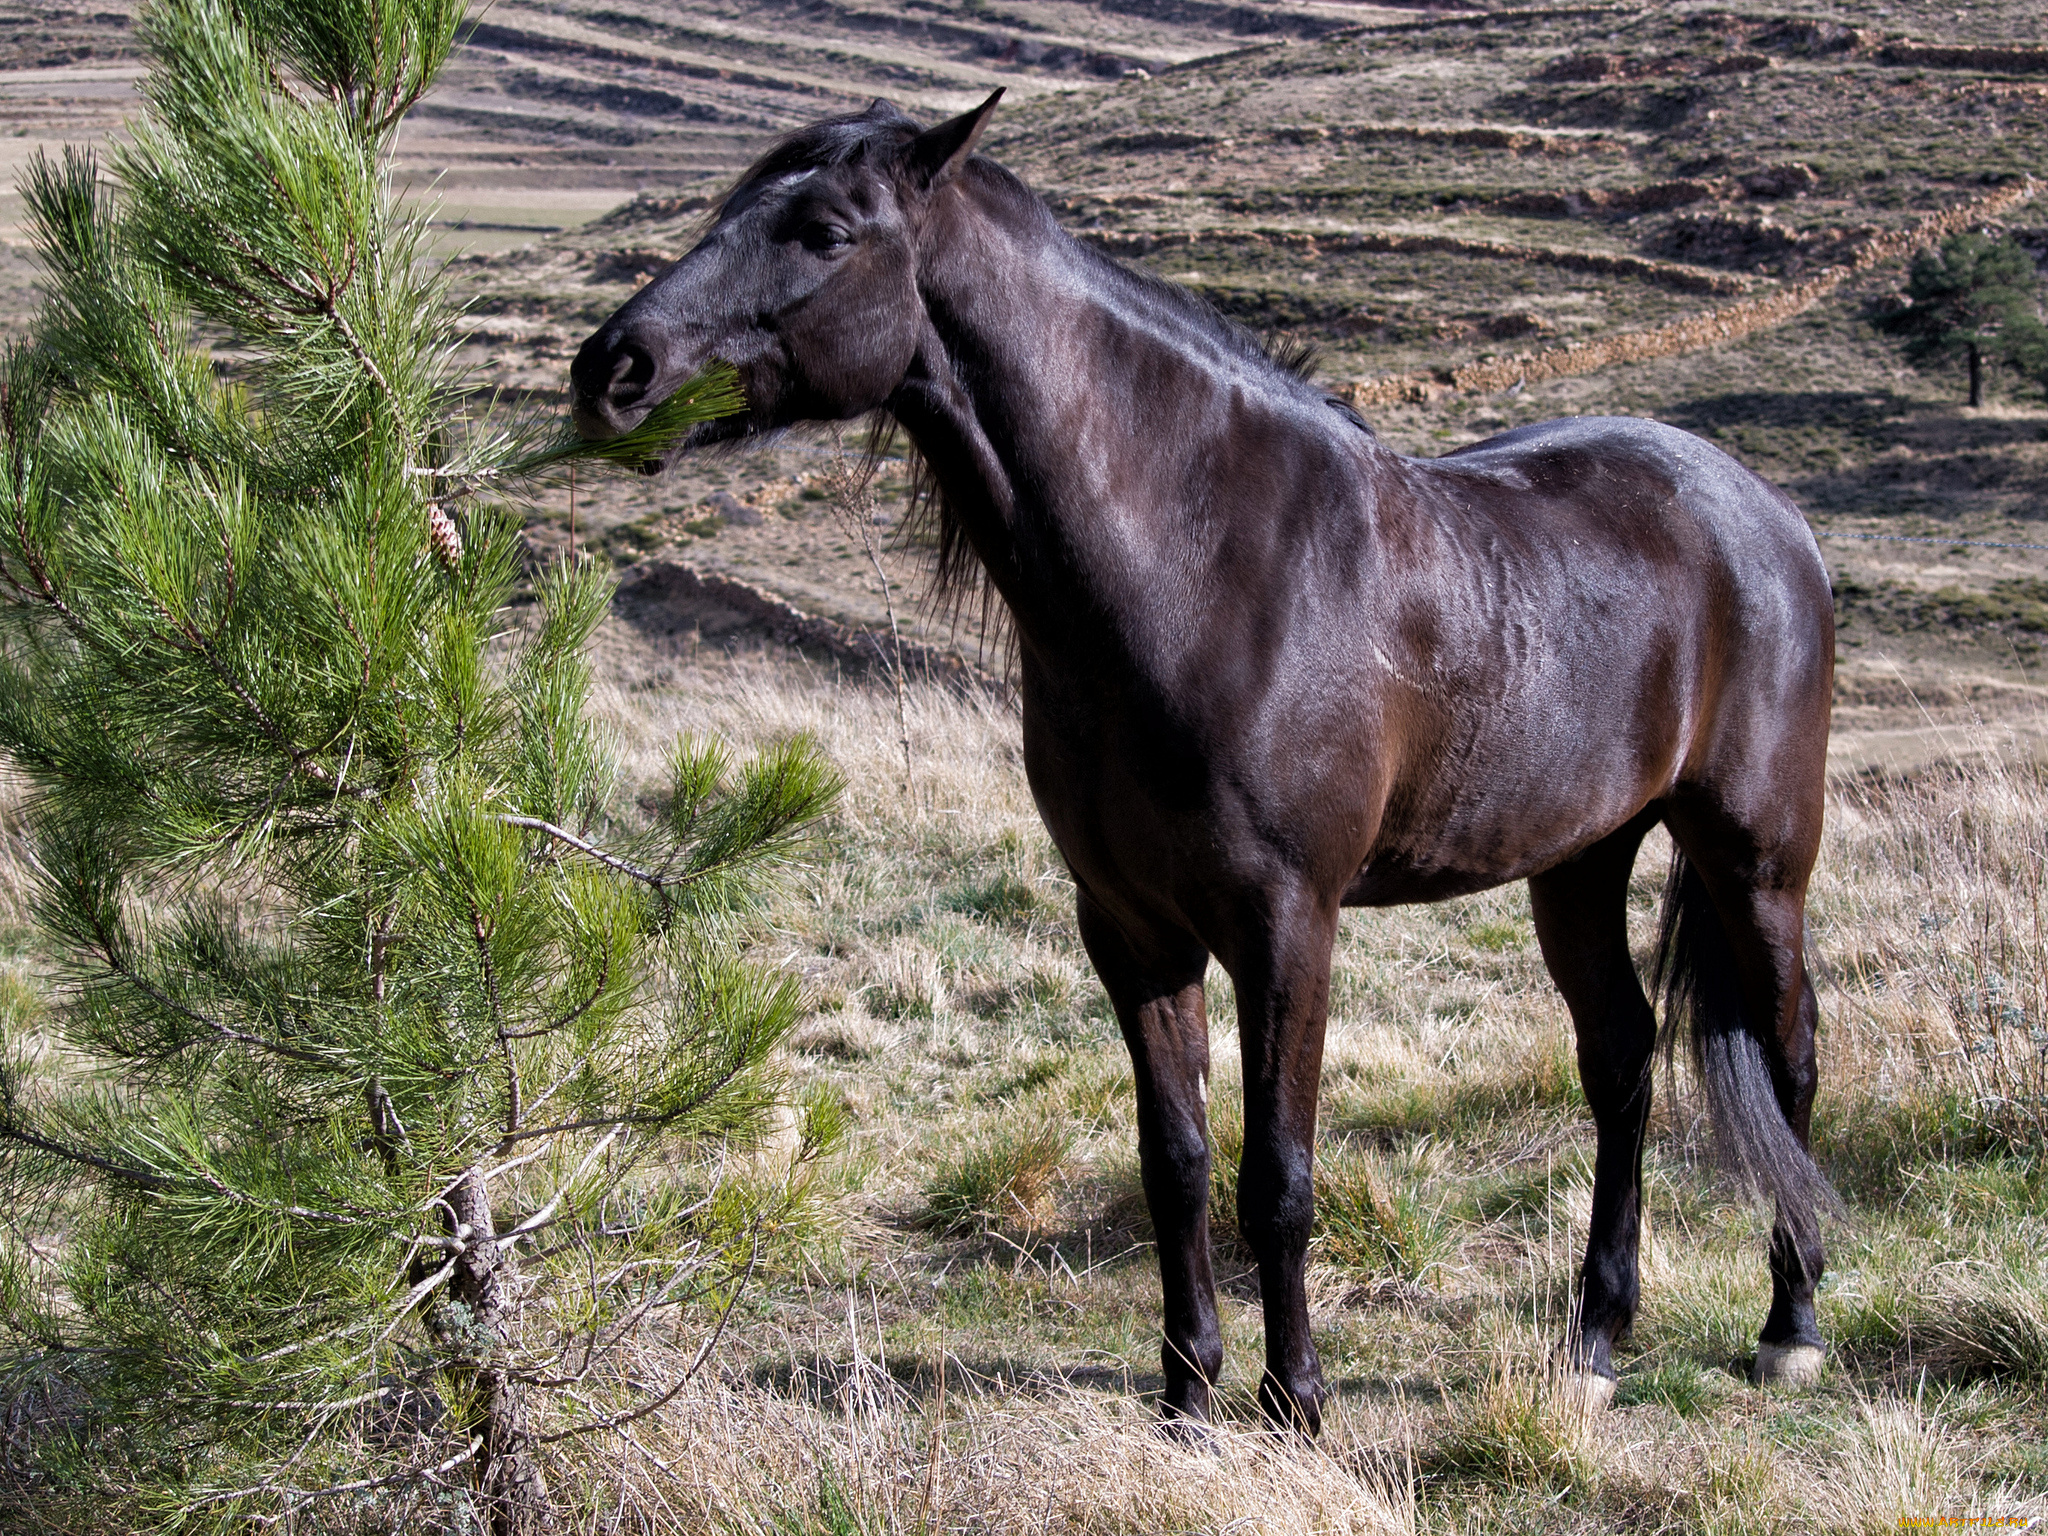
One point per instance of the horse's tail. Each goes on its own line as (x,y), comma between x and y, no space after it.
(1737,1058)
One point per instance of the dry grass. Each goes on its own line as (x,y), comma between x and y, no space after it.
(957,1328)
(1990,1322)
(1937,898)
(1006,1177)
(855,1454)
(996,1239)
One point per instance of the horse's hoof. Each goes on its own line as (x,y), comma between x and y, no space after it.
(1585,1391)
(1789,1365)
(1179,1429)
(1287,1410)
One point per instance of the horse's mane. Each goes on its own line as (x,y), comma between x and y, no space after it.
(820,146)
(958,577)
(1290,357)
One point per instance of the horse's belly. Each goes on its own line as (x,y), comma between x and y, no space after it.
(1398,883)
(1453,835)
(1397,877)
(1398,880)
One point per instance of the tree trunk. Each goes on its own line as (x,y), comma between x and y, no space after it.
(1976,375)
(485,1281)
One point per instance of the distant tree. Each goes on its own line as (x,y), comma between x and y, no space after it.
(389,1057)
(1976,299)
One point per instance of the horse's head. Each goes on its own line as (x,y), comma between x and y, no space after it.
(806,283)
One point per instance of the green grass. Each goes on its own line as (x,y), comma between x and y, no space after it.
(1514,1432)
(1680,1385)
(1378,1221)
(1002,899)
(1005,1177)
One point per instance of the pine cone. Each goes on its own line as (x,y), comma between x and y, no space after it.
(443,536)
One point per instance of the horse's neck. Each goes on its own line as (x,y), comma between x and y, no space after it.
(1064,414)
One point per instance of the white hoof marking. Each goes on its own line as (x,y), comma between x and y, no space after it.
(1585,1391)
(1789,1365)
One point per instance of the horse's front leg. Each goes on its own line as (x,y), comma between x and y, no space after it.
(1154,979)
(1282,972)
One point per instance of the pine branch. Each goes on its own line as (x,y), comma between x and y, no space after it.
(234,1196)
(609,860)
(594,1123)
(546,1213)
(141,1178)
(24,540)
(660,882)
(110,947)
(302,1497)
(197,643)
(603,977)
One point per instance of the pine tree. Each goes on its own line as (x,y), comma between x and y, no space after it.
(392,1048)
(1975,299)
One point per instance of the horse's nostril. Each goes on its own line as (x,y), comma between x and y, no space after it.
(632,372)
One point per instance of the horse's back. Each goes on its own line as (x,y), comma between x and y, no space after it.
(1647,502)
(1665,472)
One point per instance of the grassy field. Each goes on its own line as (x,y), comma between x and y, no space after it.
(953,1326)
(952,1322)
(956,1328)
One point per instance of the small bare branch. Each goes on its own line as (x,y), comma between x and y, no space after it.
(591,850)
(682,1381)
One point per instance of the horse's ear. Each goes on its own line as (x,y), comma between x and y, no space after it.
(883,110)
(936,155)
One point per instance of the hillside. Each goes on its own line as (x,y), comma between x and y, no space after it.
(1426,195)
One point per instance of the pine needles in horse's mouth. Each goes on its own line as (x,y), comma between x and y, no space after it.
(712,392)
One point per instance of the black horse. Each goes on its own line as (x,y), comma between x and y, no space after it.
(1270,669)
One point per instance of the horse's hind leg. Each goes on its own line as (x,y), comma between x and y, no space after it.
(1582,924)
(1789,1348)
(1744,898)
(1155,982)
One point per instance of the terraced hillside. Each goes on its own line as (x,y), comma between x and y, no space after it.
(1473,214)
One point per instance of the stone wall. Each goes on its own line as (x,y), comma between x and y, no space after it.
(1692,333)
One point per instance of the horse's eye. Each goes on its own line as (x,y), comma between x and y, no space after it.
(821,236)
